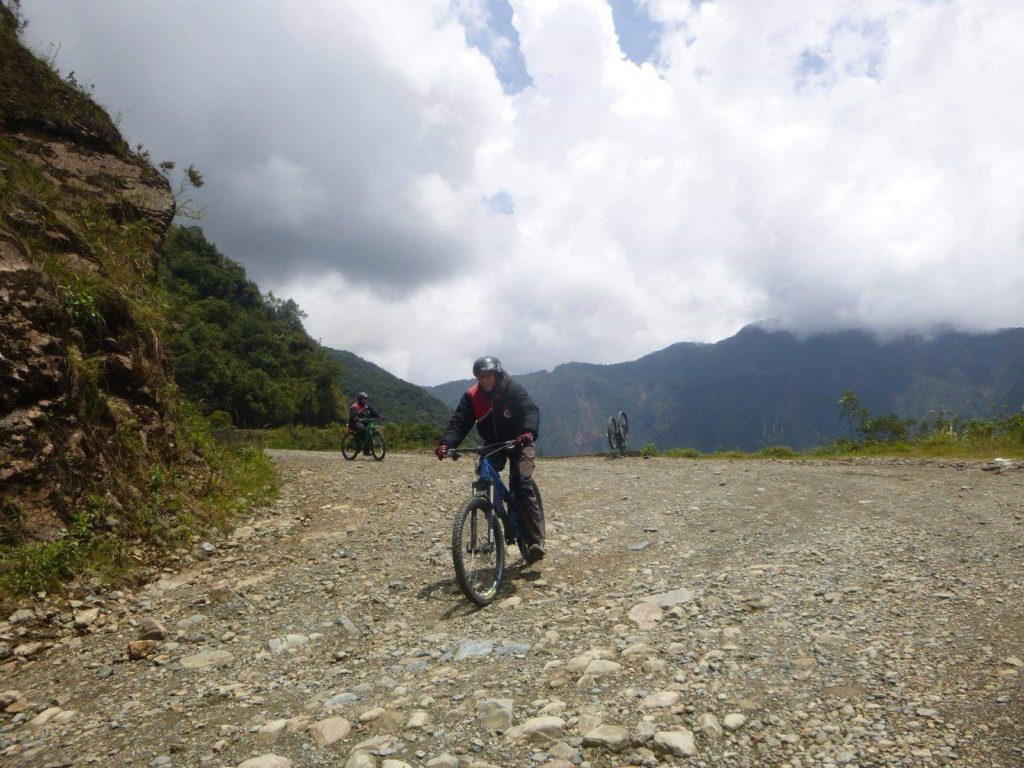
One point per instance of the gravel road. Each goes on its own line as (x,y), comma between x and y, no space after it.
(689,613)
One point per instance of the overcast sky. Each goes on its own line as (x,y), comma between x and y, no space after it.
(560,180)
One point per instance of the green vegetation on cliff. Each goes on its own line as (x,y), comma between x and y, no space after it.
(103,467)
(238,351)
(245,359)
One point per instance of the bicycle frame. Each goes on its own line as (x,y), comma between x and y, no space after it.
(367,434)
(488,485)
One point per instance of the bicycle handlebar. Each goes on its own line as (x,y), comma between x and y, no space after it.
(482,450)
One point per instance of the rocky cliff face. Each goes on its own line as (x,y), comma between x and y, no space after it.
(85,405)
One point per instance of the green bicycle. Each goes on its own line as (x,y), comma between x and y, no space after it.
(372,442)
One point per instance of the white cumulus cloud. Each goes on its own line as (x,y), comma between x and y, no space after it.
(823,163)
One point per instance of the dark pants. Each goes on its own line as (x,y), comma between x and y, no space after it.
(531,521)
(359,428)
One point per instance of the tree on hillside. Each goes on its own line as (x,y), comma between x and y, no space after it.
(888,428)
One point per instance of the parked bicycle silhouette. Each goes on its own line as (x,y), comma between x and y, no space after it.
(618,428)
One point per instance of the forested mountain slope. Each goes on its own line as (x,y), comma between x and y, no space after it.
(398,400)
(234,349)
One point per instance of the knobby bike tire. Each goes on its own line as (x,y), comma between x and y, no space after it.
(478,552)
(623,425)
(349,447)
(378,447)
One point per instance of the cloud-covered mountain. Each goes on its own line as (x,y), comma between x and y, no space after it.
(761,388)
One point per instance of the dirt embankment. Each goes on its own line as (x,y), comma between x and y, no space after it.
(735,613)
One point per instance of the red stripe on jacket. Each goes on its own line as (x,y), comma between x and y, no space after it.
(482,405)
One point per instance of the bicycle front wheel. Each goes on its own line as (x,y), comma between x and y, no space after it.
(349,446)
(478,552)
(378,447)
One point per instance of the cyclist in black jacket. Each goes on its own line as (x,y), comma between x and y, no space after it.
(503,410)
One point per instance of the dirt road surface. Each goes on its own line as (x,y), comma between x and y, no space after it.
(690,613)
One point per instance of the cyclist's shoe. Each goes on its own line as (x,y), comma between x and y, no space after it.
(535,553)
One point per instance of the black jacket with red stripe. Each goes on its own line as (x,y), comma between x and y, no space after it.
(358,412)
(508,412)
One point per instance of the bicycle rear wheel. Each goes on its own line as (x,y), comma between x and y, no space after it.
(349,446)
(378,447)
(478,552)
(623,425)
(613,432)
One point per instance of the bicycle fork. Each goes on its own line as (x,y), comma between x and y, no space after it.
(481,534)
(481,542)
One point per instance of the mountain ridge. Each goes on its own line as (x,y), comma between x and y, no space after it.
(762,387)
(399,400)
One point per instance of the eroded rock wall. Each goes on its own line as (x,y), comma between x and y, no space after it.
(85,404)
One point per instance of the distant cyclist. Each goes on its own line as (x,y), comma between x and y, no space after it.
(358,413)
(503,410)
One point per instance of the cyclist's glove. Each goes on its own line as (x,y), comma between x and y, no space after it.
(442,450)
(524,439)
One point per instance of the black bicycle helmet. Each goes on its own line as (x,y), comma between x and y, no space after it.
(487,363)
(361,397)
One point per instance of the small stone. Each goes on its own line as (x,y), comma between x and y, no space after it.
(43,718)
(206,659)
(151,629)
(734,721)
(140,649)
(471,648)
(282,644)
(418,719)
(266,761)
(646,615)
(326,732)
(660,700)
(599,667)
(361,759)
(611,737)
(710,726)
(537,729)
(28,650)
(85,619)
(675,743)
(271,730)
(495,714)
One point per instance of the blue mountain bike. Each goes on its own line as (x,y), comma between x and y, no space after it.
(484,525)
